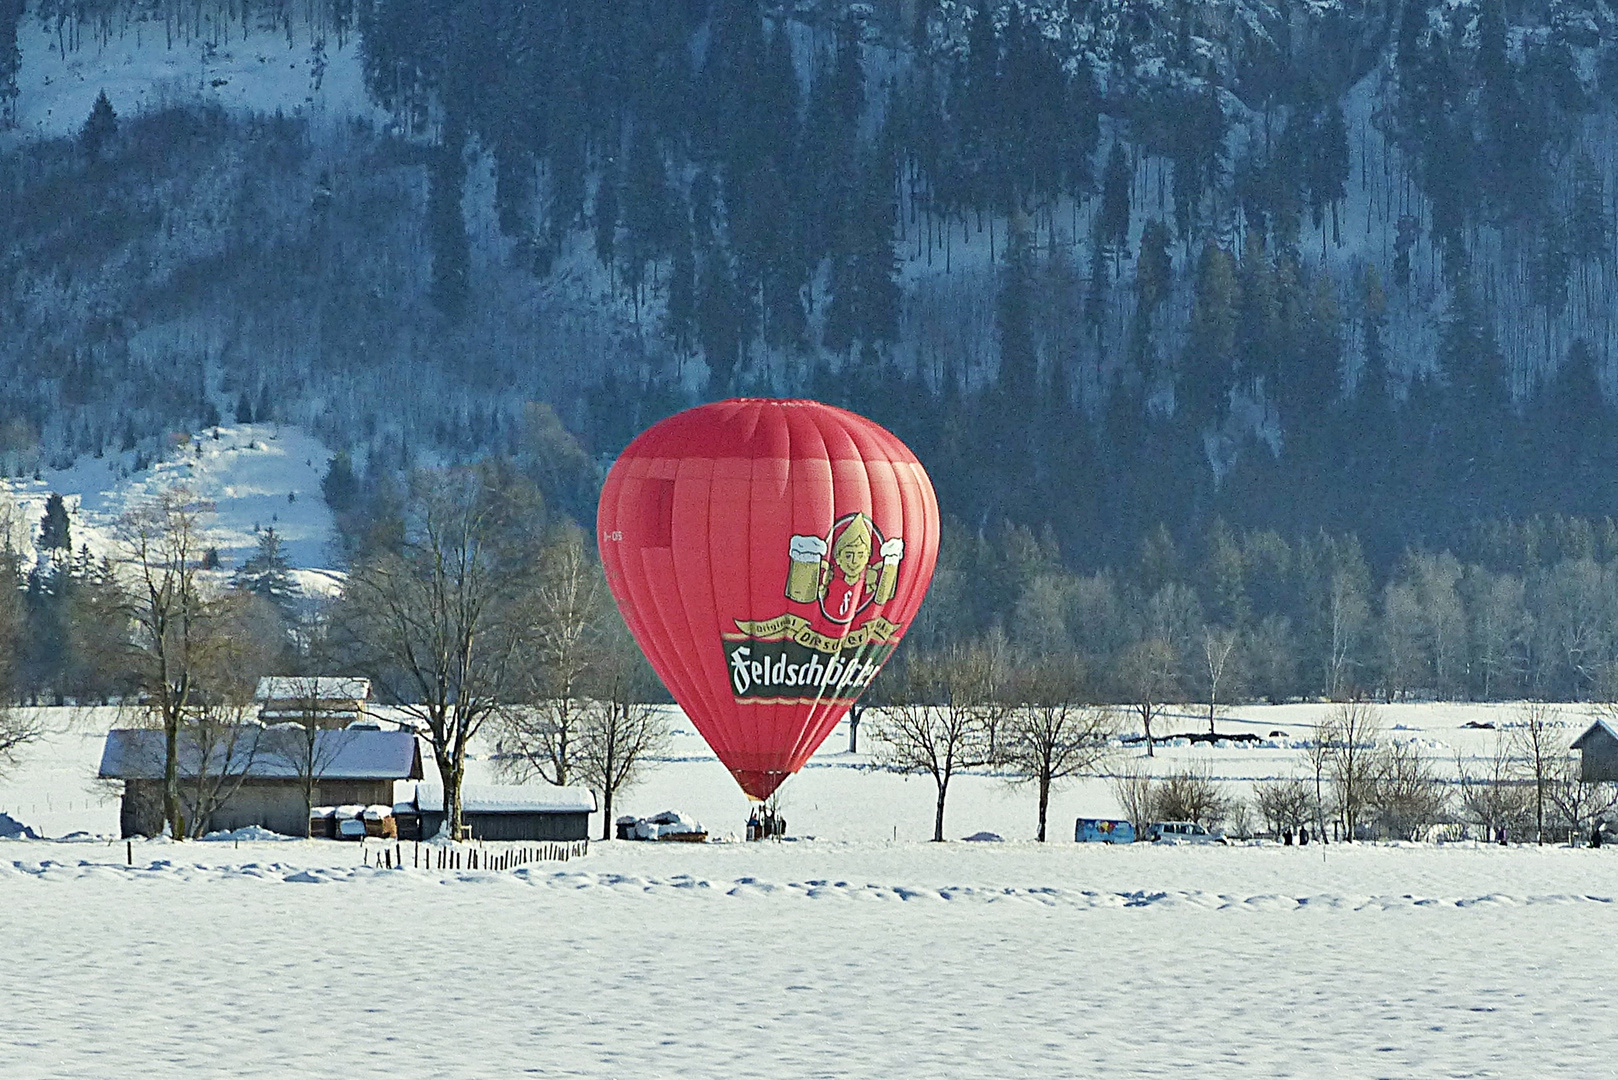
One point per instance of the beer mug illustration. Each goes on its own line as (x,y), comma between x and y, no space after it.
(803,573)
(887,582)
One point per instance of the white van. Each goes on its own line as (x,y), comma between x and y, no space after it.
(1181,832)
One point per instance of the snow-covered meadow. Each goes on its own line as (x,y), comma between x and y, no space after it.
(852,954)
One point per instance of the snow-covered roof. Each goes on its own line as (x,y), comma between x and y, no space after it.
(268,754)
(510,799)
(316,688)
(1585,741)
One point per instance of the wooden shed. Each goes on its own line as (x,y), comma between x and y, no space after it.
(1598,752)
(505,811)
(261,771)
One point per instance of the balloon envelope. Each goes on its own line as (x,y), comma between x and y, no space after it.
(768,556)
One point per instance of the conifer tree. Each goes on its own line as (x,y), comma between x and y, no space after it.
(99,128)
(1211,346)
(446,225)
(1112,223)
(55,529)
(267,575)
(11,12)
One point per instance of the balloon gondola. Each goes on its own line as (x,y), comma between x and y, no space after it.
(767,555)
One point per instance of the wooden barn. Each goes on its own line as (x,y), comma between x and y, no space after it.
(1598,752)
(318,700)
(255,776)
(502,812)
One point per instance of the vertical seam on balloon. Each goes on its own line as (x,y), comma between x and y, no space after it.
(862,651)
(749,732)
(699,680)
(723,717)
(666,672)
(812,713)
(821,706)
(807,719)
(778,713)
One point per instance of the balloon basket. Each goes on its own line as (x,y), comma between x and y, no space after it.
(765,825)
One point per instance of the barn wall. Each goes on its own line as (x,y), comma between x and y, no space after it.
(141,811)
(362,792)
(1599,760)
(277,807)
(515,826)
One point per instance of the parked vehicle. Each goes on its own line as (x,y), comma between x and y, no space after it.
(1181,832)
(1103,831)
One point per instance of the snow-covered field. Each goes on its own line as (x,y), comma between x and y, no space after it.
(848,955)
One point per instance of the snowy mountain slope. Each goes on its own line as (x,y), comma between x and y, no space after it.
(257,476)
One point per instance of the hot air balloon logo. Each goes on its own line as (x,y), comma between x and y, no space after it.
(793,658)
(862,568)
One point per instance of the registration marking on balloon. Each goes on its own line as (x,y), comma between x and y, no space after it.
(834,642)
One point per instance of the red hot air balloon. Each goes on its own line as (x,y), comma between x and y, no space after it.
(768,556)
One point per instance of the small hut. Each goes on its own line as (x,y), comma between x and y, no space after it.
(1598,752)
(318,700)
(503,812)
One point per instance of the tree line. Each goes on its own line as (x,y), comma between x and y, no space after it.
(480,613)
(1523,609)
(1355,780)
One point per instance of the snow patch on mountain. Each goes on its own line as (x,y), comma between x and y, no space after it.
(297,63)
(257,476)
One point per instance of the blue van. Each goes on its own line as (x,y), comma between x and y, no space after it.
(1103,831)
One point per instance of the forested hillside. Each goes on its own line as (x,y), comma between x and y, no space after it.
(1107,265)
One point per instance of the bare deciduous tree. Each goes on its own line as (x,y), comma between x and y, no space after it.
(1218,650)
(567,611)
(1349,736)
(1191,794)
(1407,796)
(939,723)
(1536,747)
(185,649)
(439,624)
(226,747)
(1149,674)
(18,728)
(300,744)
(1490,792)
(1052,733)
(1578,803)
(1317,755)
(621,732)
(1286,805)
(1132,787)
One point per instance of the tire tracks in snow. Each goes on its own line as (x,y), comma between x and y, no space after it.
(757,890)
